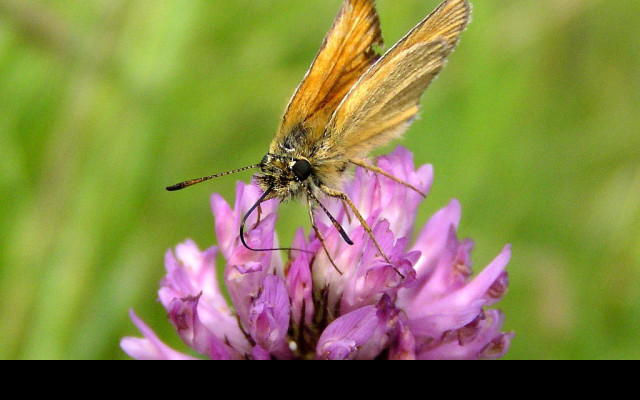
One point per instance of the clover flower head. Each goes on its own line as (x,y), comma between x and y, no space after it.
(302,308)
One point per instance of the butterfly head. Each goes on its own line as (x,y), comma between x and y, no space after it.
(285,176)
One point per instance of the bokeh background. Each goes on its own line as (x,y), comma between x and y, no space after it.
(534,126)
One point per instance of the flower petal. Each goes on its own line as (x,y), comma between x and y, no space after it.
(362,333)
(460,307)
(227,225)
(299,283)
(399,203)
(269,317)
(433,238)
(374,276)
(193,274)
(404,345)
(258,353)
(342,338)
(227,221)
(183,314)
(487,341)
(150,347)
(246,268)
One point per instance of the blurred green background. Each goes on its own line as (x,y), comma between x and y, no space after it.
(534,126)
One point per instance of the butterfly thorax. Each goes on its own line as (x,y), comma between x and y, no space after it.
(295,164)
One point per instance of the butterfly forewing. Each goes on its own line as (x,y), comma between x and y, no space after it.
(445,22)
(346,54)
(382,104)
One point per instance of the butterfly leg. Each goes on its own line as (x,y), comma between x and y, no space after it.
(367,228)
(319,235)
(346,210)
(377,170)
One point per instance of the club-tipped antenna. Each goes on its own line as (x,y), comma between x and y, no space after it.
(192,182)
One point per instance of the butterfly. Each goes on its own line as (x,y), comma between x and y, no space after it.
(351,101)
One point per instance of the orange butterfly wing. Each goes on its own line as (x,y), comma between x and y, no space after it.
(346,53)
(384,102)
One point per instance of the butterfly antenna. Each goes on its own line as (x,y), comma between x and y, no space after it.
(192,182)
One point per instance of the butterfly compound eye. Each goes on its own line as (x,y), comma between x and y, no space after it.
(301,169)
